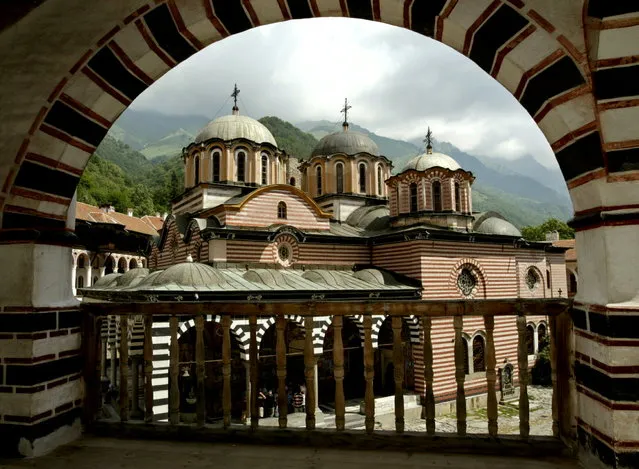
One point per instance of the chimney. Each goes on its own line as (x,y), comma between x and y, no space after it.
(129,212)
(164,215)
(106,208)
(157,214)
(552,235)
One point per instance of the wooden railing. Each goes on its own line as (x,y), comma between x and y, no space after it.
(425,310)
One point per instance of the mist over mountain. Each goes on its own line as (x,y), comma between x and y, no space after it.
(522,190)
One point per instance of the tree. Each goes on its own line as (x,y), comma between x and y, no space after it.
(538,233)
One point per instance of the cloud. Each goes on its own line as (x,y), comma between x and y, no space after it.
(398,82)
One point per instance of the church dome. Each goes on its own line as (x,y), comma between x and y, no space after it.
(347,142)
(432,160)
(493,223)
(236,126)
(189,274)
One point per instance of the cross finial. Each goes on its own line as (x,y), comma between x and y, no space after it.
(429,141)
(235,94)
(345,111)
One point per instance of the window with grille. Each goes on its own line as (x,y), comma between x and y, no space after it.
(413,197)
(437,196)
(319,180)
(216,166)
(339,178)
(457,198)
(281,210)
(479,363)
(362,178)
(264,169)
(379,181)
(241,167)
(196,164)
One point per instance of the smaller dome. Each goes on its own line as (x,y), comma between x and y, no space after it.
(189,274)
(434,160)
(497,226)
(347,142)
(375,276)
(109,280)
(131,277)
(269,277)
(372,218)
(236,126)
(322,277)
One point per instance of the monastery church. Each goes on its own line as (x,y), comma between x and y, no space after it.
(257,225)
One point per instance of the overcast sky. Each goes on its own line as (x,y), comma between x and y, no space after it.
(398,83)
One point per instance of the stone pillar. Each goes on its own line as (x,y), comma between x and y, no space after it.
(89,280)
(606,335)
(73,277)
(44,320)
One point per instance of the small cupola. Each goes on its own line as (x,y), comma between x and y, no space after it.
(432,188)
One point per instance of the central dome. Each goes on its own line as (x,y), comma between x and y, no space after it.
(236,126)
(432,160)
(347,142)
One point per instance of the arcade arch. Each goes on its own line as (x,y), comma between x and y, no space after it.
(98,61)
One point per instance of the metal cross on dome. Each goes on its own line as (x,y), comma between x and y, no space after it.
(235,94)
(345,110)
(429,139)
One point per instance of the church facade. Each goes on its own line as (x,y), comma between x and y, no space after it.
(256,223)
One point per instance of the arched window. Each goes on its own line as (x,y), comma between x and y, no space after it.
(362,178)
(81,262)
(216,166)
(548,281)
(379,181)
(572,284)
(196,169)
(457,198)
(399,200)
(264,169)
(479,363)
(339,178)
(413,197)
(318,172)
(79,282)
(437,196)
(530,339)
(281,210)
(541,335)
(240,167)
(292,181)
(133,264)
(109,266)
(466,363)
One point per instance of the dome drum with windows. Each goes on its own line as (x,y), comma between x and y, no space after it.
(432,188)
(234,150)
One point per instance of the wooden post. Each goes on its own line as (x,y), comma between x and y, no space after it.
(226,370)
(460,376)
(174,373)
(255,415)
(429,400)
(369,373)
(398,365)
(491,375)
(148,369)
(309,373)
(200,370)
(124,368)
(280,357)
(338,372)
(553,363)
(522,359)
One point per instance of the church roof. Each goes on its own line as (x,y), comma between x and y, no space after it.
(93,214)
(191,281)
(236,126)
(346,142)
(493,223)
(433,160)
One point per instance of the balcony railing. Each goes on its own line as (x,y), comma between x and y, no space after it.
(96,361)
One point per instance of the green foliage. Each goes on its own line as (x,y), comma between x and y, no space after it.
(541,372)
(538,232)
(289,138)
(120,176)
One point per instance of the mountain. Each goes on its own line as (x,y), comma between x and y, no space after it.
(525,192)
(397,150)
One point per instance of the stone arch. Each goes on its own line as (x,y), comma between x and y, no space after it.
(542,283)
(266,325)
(237,332)
(326,323)
(411,321)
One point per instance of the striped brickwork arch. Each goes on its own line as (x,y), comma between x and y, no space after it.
(545,69)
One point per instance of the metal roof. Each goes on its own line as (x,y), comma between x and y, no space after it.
(346,142)
(236,126)
(191,281)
